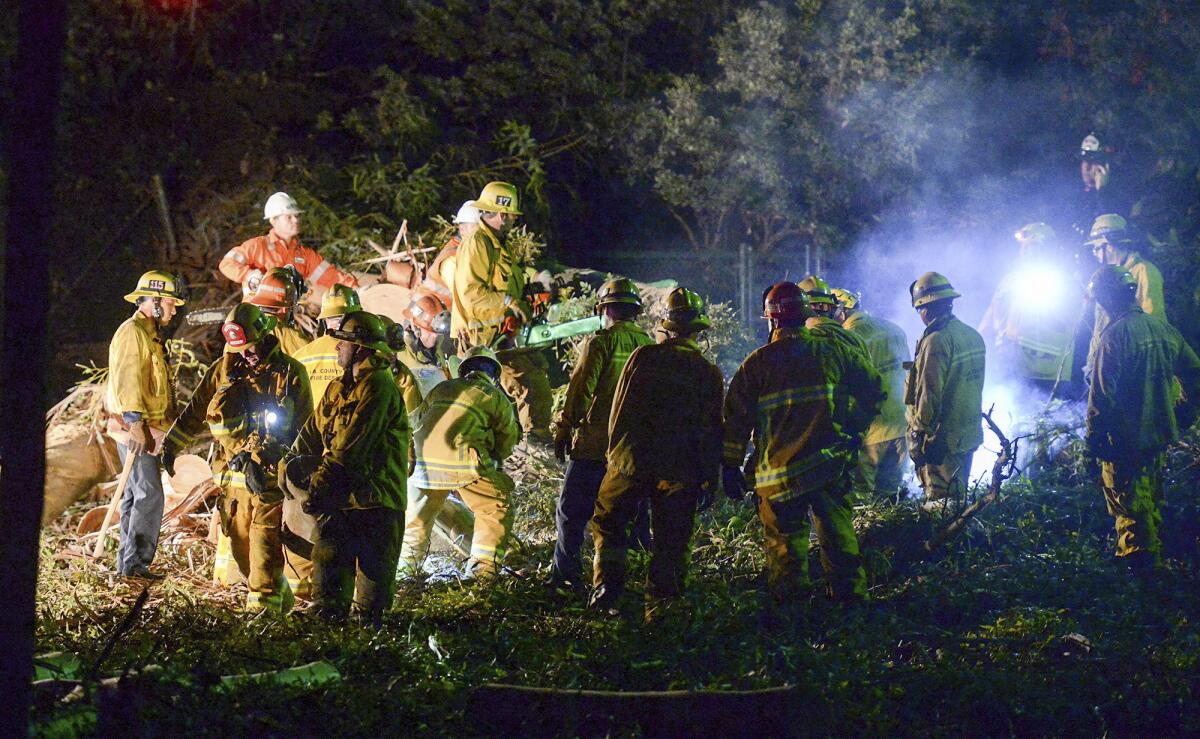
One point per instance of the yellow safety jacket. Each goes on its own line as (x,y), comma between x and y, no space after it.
(319,359)
(138,381)
(232,400)
(944,390)
(805,399)
(1149,297)
(1132,399)
(291,339)
(463,431)
(1041,340)
(666,415)
(486,281)
(593,383)
(887,348)
(361,433)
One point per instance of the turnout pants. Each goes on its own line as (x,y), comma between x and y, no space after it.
(252,523)
(1132,490)
(880,469)
(576,504)
(785,521)
(523,375)
(672,518)
(948,479)
(489,499)
(354,561)
(141,513)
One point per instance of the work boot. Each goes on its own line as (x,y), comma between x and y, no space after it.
(479,571)
(142,572)
(604,600)
(559,586)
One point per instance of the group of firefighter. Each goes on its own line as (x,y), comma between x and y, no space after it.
(335,456)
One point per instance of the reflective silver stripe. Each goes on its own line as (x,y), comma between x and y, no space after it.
(485,324)
(320,270)
(235,254)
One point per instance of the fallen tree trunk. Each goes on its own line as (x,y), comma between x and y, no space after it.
(511,709)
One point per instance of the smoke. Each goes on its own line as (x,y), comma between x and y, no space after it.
(986,161)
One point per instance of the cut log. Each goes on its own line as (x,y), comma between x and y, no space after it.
(386,300)
(503,709)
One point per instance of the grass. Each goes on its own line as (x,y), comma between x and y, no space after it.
(1023,625)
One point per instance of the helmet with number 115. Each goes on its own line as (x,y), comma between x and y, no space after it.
(158,283)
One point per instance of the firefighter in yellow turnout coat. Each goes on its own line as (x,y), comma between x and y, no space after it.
(1134,411)
(489,289)
(806,401)
(350,462)
(254,400)
(462,433)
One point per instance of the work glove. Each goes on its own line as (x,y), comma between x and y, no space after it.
(252,279)
(562,443)
(168,460)
(141,441)
(256,479)
(733,481)
(520,311)
(916,448)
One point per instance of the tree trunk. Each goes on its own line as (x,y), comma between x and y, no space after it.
(36,79)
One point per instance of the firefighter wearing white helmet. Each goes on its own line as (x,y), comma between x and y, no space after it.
(944,392)
(253,400)
(1102,191)
(440,278)
(462,434)
(1030,318)
(881,461)
(138,399)
(349,465)
(248,263)
(489,306)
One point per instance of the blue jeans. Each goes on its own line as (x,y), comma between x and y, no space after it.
(576,504)
(141,513)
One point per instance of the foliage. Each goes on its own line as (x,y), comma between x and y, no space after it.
(1024,624)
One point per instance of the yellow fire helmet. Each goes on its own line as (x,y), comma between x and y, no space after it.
(846,299)
(498,197)
(930,288)
(339,300)
(157,284)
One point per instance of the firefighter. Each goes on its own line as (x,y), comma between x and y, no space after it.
(1134,412)
(806,401)
(349,464)
(248,263)
(1029,320)
(581,429)
(489,304)
(943,392)
(462,433)
(279,293)
(822,314)
(253,400)
(440,277)
(427,346)
(1102,191)
(319,357)
(138,401)
(664,446)
(883,454)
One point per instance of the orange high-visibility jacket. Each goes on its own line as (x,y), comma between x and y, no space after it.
(267,252)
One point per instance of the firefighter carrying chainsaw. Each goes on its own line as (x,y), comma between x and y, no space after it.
(490,307)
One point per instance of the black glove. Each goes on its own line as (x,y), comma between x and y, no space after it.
(734,482)
(562,443)
(168,460)
(256,478)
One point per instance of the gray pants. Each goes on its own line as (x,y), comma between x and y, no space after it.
(141,513)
